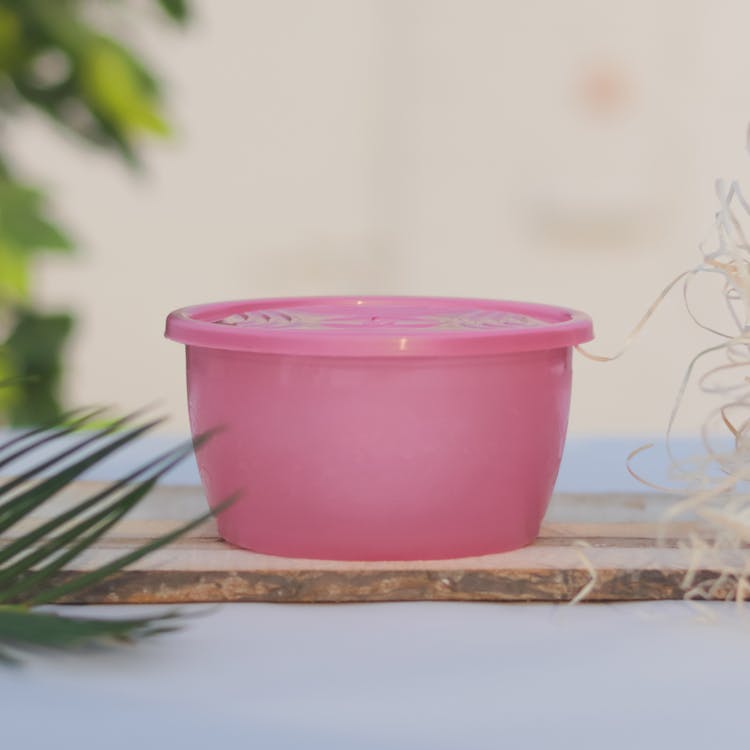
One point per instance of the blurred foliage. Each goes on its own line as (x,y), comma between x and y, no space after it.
(39,556)
(34,353)
(58,61)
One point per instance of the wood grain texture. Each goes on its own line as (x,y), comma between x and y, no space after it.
(634,559)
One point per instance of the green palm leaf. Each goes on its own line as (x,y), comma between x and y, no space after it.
(21,628)
(31,563)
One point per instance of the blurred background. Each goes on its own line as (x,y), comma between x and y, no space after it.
(559,152)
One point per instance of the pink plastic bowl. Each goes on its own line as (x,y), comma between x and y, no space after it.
(379,428)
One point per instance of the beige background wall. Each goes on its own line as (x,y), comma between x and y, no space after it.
(562,152)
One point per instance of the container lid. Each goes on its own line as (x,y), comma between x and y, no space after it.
(378,326)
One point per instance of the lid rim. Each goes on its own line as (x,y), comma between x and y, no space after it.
(197,325)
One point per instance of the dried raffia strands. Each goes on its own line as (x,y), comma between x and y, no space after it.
(713,485)
(590,585)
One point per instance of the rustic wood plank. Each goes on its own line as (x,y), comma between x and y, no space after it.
(321,586)
(635,558)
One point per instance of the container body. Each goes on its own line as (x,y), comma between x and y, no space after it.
(380,458)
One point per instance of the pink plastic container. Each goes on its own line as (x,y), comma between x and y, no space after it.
(380,428)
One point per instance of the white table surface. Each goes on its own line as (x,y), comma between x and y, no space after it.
(403,675)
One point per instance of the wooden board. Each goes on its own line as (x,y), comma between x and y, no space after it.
(634,556)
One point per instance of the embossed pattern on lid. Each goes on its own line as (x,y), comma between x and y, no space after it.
(395,319)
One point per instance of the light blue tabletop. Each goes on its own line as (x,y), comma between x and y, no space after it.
(590,463)
(432,676)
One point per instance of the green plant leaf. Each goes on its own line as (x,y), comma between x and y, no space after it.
(69,422)
(118,90)
(11,38)
(103,93)
(72,543)
(79,537)
(85,580)
(69,108)
(175,9)
(27,584)
(15,274)
(55,58)
(26,501)
(26,629)
(33,352)
(23,225)
(158,467)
